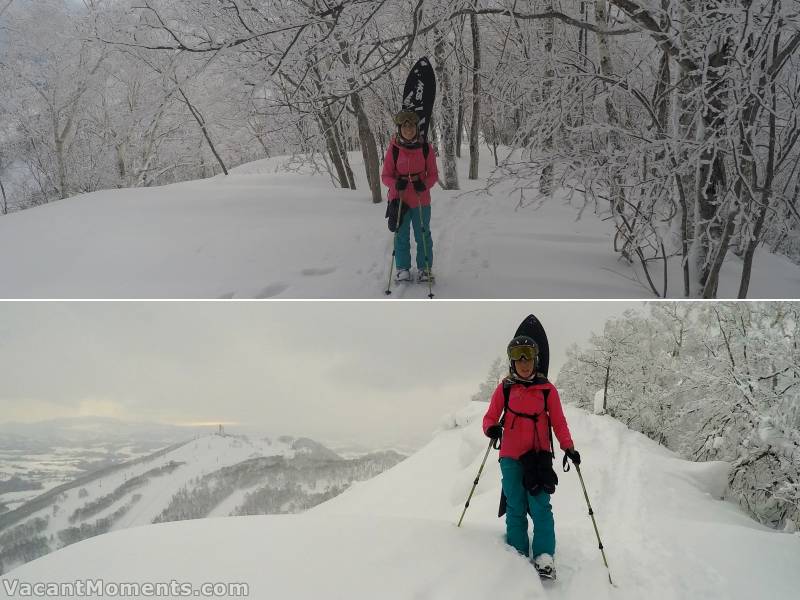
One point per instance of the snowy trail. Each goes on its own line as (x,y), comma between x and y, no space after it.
(655,513)
(263,233)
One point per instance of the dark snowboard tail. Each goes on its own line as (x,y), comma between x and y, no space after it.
(532,327)
(419,94)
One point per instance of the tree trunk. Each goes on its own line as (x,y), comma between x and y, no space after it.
(119,147)
(342,141)
(583,38)
(712,283)
(333,148)
(605,386)
(708,229)
(685,181)
(711,184)
(368,149)
(474,147)
(612,142)
(546,177)
(448,116)
(59,135)
(366,138)
(766,194)
(460,121)
(202,123)
(141,174)
(5,199)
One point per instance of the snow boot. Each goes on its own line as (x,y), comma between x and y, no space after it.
(403,275)
(424,276)
(545,566)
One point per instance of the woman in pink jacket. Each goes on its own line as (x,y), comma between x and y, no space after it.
(522,410)
(409,171)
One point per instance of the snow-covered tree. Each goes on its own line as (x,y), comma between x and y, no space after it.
(497,371)
(714,381)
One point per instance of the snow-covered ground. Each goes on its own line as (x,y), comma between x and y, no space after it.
(264,233)
(665,532)
(194,459)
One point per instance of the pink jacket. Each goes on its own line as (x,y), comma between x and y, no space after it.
(410,162)
(518,432)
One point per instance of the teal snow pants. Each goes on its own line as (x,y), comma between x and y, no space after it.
(519,504)
(403,242)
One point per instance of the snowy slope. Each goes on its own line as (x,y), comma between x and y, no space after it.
(394,536)
(260,233)
(140,490)
(192,459)
(665,534)
(210,476)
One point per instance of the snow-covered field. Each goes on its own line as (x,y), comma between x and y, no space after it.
(665,532)
(264,233)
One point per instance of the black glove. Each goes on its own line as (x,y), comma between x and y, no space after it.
(573,455)
(419,186)
(402,183)
(494,432)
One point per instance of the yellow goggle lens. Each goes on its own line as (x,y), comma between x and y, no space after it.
(522,352)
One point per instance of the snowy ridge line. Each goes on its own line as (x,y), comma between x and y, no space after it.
(41,501)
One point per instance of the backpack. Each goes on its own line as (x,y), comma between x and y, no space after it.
(426,150)
(507,394)
(540,467)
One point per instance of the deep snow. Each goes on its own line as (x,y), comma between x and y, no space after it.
(395,536)
(262,232)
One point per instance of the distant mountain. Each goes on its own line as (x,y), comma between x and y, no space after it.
(214,475)
(16,436)
(37,457)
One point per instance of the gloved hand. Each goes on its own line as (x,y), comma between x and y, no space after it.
(419,186)
(402,183)
(573,455)
(494,432)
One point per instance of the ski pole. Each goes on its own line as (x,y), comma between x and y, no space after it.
(591,514)
(388,291)
(475,483)
(425,249)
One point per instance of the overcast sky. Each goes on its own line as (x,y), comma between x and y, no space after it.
(376,373)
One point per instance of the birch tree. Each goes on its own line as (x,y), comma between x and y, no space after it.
(474,132)
(447,115)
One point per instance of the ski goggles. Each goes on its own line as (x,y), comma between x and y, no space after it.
(406,117)
(522,352)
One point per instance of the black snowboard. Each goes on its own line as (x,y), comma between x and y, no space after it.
(419,94)
(532,327)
